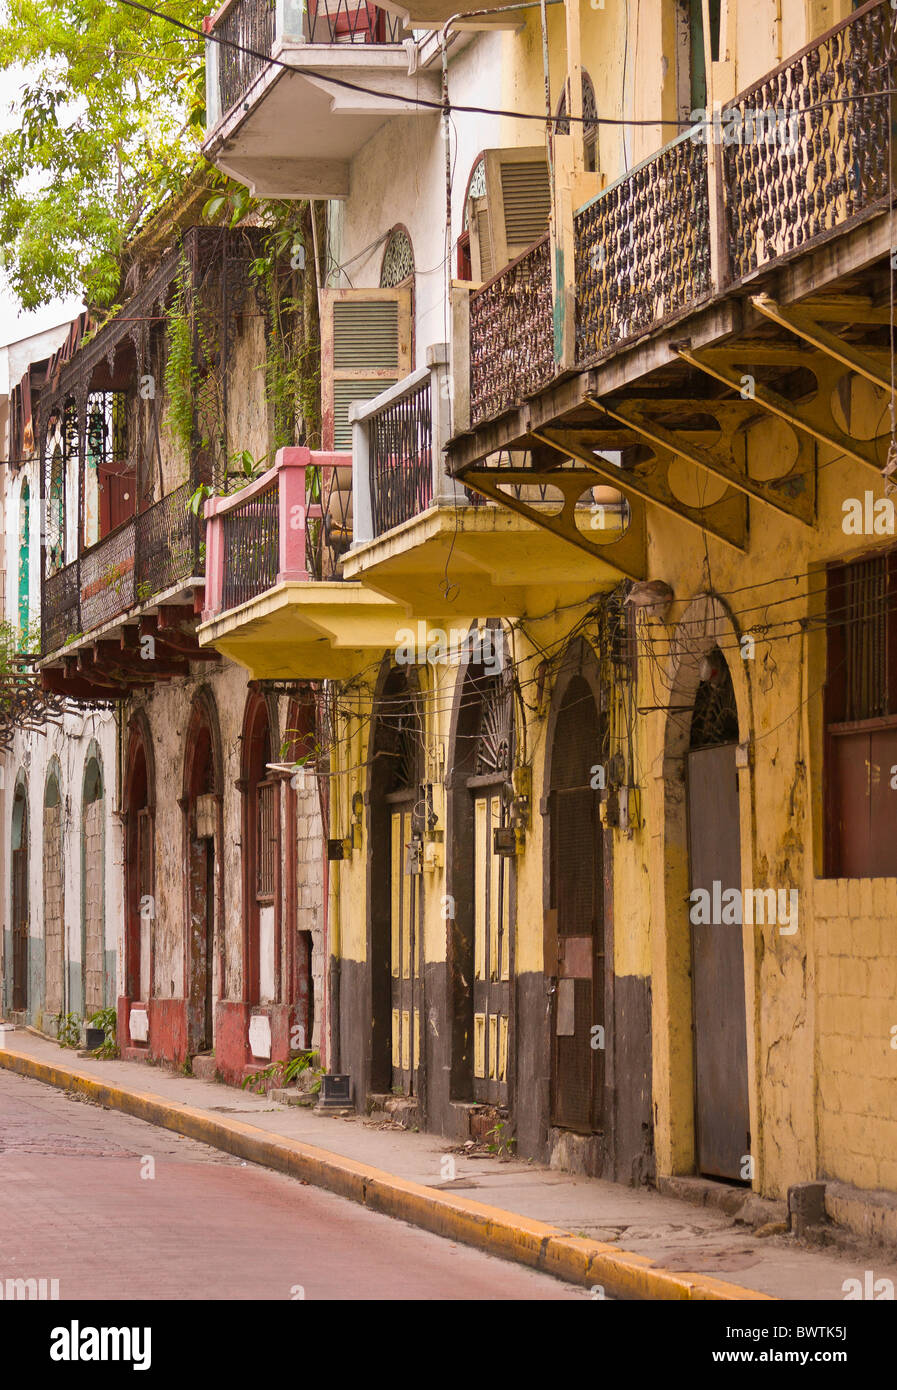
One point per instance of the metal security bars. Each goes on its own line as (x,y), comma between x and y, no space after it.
(401,454)
(251,541)
(251,24)
(257,24)
(643,248)
(145,556)
(805,150)
(512,335)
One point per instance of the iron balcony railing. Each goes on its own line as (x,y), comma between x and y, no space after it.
(401,459)
(292,523)
(511,334)
(804,153)
(642,249)
(251,30)
(144,556)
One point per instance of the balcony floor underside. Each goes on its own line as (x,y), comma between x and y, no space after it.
(729,406)
(305,630)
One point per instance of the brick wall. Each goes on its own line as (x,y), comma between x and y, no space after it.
(856,991)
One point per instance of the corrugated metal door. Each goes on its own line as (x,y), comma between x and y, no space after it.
(492,954)
(722,1120)
(404,950)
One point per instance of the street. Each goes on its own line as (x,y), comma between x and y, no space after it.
(114,1208)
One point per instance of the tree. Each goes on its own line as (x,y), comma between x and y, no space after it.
(108,125)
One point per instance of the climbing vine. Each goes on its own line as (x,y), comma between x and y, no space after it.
(181,374)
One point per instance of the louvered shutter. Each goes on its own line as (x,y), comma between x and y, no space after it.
(517,208)
(365,347)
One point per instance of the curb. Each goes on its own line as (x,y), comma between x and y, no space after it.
(619,1273)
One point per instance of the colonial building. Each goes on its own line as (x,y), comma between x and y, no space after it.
(604,634)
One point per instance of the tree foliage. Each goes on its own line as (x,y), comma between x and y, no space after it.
(105,128)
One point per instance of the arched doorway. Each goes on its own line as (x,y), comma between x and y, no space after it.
(722,1118)
(93,860)
(396,894)
(575,927)
(54,896)
(20,838)
(304,868)
(261,858)
(483,882)
(140,905)
(201,803)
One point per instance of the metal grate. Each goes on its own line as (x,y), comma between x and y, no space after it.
(401,453)
(511,335)
(248,24)
(714,719)
(266,844)
(167,544)
(108,576)
(865,628)
(805,150)
(251,539)
(642,249)
(340,21)
(60,608)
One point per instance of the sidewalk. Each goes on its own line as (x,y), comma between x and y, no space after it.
(633,1243)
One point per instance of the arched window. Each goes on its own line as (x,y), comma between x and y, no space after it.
(54,896)
(398,260)
(93,973)
(20,895)
(590,122)
(261,842)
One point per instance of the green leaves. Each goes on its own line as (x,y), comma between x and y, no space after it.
(108,123)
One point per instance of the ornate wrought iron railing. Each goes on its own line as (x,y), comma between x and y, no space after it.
(251,546)
(147,554)
(250,29)
(108,582)
(642,248)
(806,149)
(511,335)
(60,607)
(401,459)
(168,546)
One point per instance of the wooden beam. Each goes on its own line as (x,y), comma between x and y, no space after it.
(801,322)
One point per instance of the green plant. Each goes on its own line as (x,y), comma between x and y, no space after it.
(197,500)
(107,1020)
(504,1143)
(68,1030)
(284,1073)
(181,374)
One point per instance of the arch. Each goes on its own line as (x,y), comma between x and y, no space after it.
(707,626)
(261,851)
(397,266)
(395,899)
(94,987)
(305,928)
(579,921)
(20,904)
(139,804)
(203,831)
(590,122)
(481,882)
(53,882)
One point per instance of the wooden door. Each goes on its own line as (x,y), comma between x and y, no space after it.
(146,907)
(492,952)
(722,1121)
(405,963)
(202,910)
(20,923)
(577,1000)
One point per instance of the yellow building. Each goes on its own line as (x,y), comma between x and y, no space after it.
(595,562)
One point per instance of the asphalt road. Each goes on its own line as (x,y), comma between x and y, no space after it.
(114,1208)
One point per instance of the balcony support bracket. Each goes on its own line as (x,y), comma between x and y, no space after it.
(802,323)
